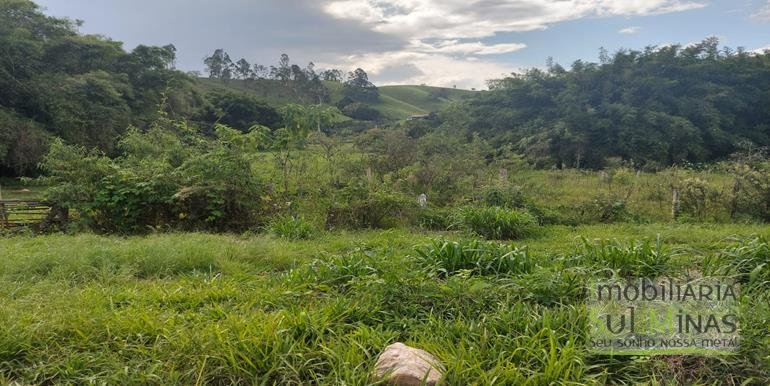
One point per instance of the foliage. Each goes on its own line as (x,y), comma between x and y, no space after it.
(696,196)
(358,87)
(292,228)
(480,257)
(659,106)
(362,112)
(605,208)
(83,88)
(748,262)
(371,209)
(633,259)
(239,111)
(435,219)
(160,181)
(22,144)
(498,223)
(751,188)
(199,308)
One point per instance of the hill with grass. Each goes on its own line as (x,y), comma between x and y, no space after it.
(395,102)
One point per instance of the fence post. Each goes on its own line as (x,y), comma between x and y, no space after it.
(3,216)
(675,204)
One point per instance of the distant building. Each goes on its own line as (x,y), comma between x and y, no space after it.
(422,117)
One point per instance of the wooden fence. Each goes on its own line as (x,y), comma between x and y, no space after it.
(21,213)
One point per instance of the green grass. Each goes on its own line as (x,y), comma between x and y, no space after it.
(396,102)
(13,189)
(226,309)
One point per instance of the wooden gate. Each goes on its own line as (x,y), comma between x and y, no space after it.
(21,213)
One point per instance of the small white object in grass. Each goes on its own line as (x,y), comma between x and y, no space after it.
(402,365)
(422,200)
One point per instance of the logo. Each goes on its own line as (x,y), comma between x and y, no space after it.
(665,316)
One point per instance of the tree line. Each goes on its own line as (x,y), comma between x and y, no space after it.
(220,66)
(653,107)
(88,90)
(305,84)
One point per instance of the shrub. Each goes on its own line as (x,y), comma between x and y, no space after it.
(504,196)
(695,196)
(292,228)
(498,223)
(361,112)
(605,209)
(434,219)
(479,257)
(513,197)
(751,190)
(160,181)
(373,210)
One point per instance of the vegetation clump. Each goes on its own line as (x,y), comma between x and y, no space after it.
(292,228)
(496,223)
(479,257)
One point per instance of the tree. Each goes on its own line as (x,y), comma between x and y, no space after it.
(299,121)
(219,65)
(332,75)
(260,71)
(243,69)
(171,50)
(283,71)
(359,88)
(85,89)
(240,111)
(656,106)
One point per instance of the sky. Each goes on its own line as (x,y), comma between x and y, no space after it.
(447,43)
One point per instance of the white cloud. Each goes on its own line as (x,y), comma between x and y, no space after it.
(466,48)
(446,36)
(630,30)
(435,69)
(761,50)
(763,14)
(448,19)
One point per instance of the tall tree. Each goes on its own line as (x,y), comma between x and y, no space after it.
(359,88)
(243,69)
(219,65)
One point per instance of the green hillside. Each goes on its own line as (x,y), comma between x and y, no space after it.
(396,102)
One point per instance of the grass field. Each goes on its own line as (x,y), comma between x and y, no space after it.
(255,309)
(396,102)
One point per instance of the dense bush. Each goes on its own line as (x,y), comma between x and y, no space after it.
(605,208)
(372,210)
(239,111)
(161,181)
(435,218)
(498,223)
(362,112)
(751,189)
(479,257)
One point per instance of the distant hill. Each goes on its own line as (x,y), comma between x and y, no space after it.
(396,102)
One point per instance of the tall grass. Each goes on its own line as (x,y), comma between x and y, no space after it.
(497,223)
(635,258)
(483,258)
(217,309)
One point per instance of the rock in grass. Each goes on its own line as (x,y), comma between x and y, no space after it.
(402,365)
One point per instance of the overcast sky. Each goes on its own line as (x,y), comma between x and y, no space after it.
(437,42)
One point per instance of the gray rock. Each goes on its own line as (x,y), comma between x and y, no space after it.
(402,365)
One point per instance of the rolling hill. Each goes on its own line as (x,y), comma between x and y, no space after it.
(396,102)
